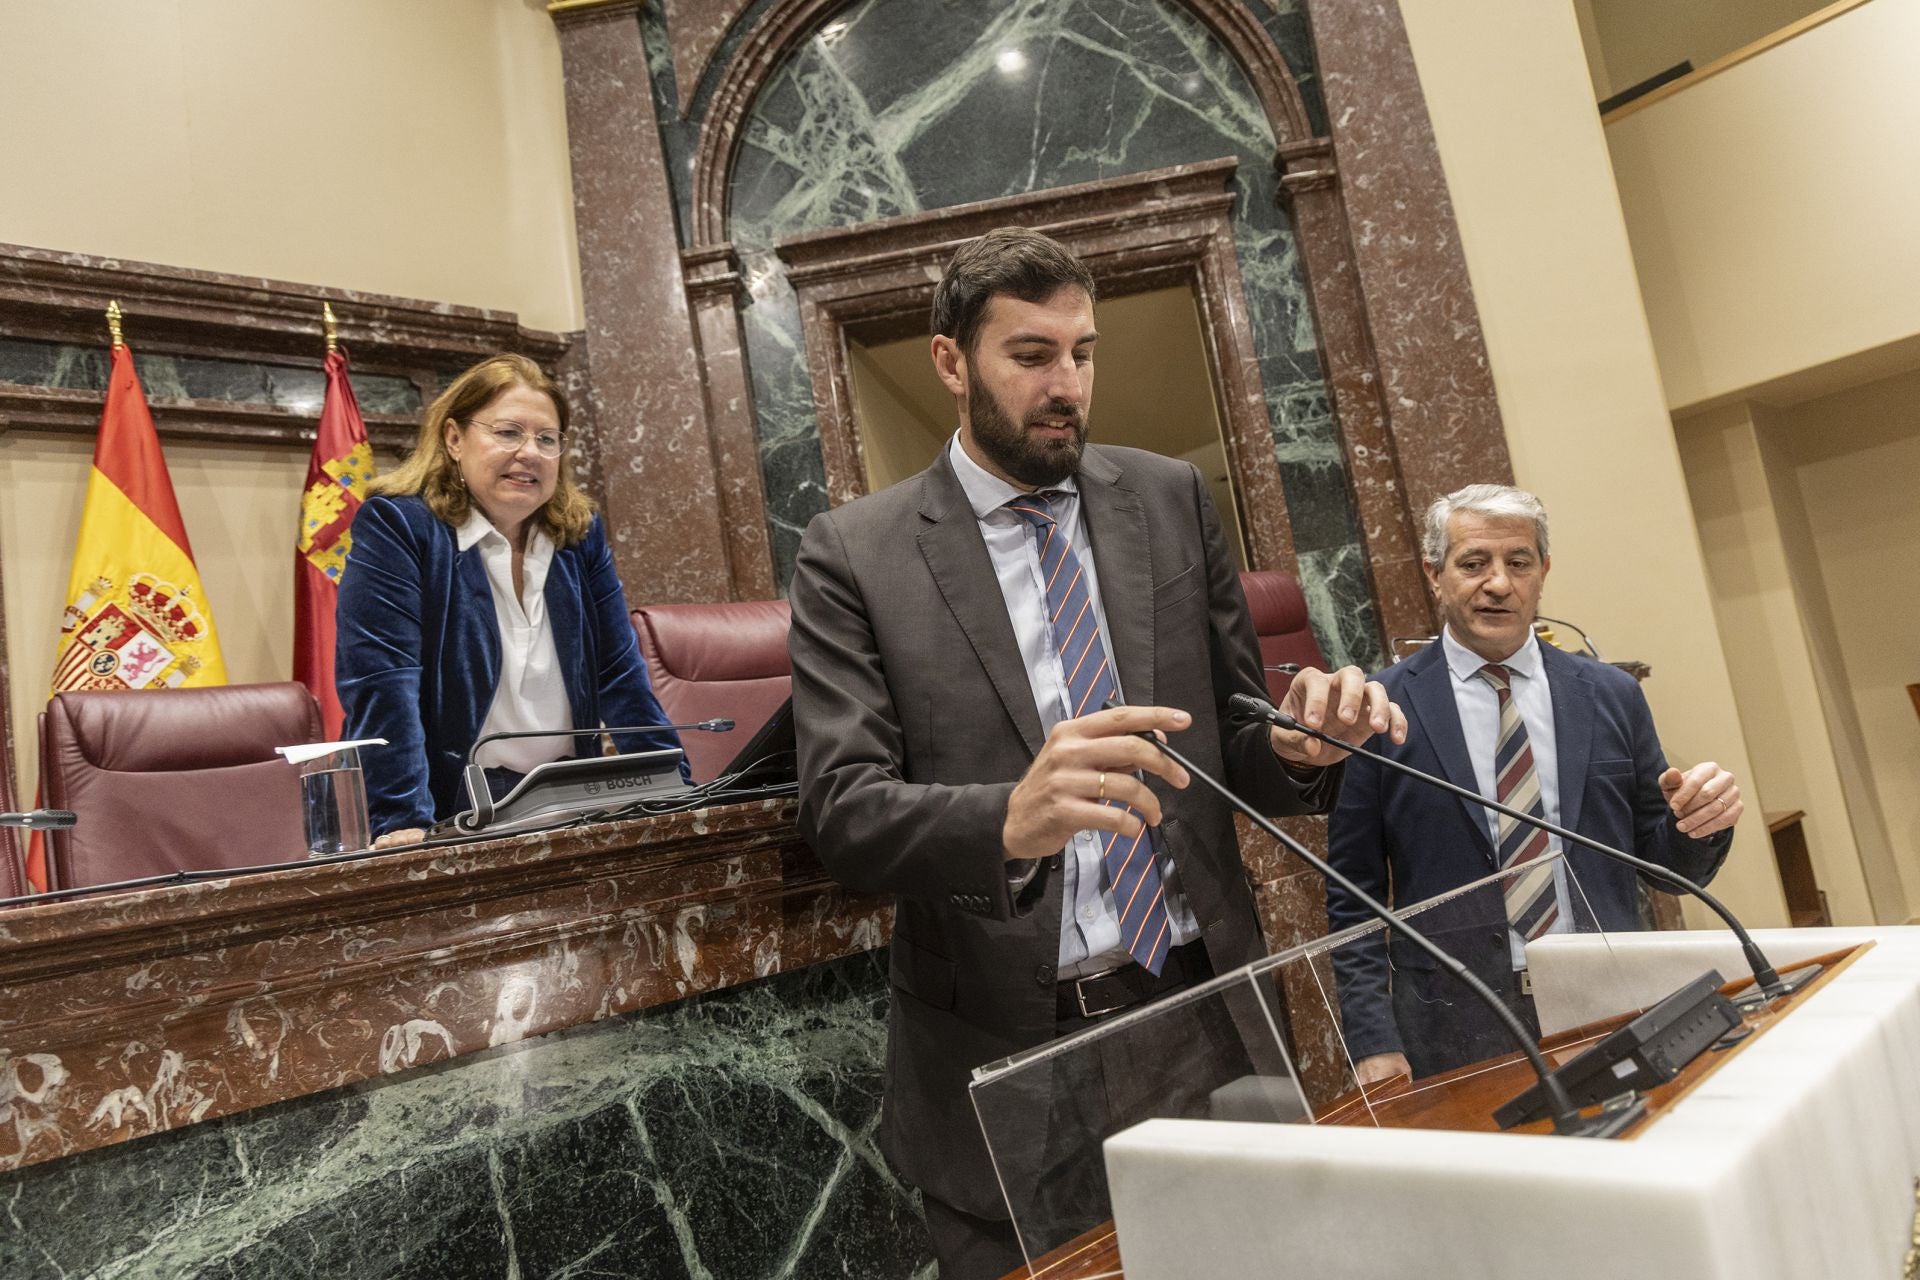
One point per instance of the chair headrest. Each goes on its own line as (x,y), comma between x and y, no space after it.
(170,730)
(1275,600)
(736,640)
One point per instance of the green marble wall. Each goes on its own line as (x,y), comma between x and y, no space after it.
(725,1137)
(300,389)
(897,106)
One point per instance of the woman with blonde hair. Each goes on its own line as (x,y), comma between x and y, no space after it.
(479,596)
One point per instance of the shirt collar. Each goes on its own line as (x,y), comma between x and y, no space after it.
(986,492)
(478,529)
(475,530)
(1465,663)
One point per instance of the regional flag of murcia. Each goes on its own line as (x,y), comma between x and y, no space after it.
(136,616)
(337,476)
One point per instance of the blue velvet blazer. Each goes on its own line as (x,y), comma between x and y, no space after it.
(417,655)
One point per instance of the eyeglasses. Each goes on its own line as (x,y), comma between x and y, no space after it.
(510,436)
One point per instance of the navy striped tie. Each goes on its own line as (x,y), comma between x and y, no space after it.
(1145,927)
(1532,902)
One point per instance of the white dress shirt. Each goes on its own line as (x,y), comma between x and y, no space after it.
(1479,708)
(1090,922)
(531,694)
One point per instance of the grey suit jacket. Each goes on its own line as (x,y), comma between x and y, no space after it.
(916,718)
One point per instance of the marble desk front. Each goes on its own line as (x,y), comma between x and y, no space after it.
(132,1014)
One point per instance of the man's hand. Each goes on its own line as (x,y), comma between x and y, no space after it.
(1705,798)
(1345,704)
(1084,762)
(403,836)
(1377,1067)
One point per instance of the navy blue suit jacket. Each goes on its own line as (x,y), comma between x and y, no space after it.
(1403,841)
(417,655)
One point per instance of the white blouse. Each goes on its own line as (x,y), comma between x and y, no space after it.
(531,694)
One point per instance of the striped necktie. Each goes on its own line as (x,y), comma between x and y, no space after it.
(1145,927)
(1533,904)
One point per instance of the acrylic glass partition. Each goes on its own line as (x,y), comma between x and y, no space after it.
(1278,1042)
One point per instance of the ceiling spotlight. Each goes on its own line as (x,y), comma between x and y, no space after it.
(1010,61)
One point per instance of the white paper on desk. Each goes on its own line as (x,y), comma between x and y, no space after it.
(302,752)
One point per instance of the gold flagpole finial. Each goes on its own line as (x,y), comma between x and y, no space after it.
(113,323)
(331,326)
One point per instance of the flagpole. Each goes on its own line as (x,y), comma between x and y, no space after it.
(331,326)
(113,324)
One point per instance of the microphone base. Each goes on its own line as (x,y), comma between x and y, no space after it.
(1648,1051)
(1754,1000)
(1615,1117)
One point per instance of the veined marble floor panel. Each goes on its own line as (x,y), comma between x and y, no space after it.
(727,1136)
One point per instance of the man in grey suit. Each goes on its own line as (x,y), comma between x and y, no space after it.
(954,638)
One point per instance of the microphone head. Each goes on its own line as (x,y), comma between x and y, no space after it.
(716,726)
(1247,704)
(56,819)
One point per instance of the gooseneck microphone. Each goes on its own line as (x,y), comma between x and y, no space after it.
(40,819)
(1567,1119)
(720,725)
(1765,977)
(475,774)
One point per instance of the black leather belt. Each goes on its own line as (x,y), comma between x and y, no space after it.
(1115,990)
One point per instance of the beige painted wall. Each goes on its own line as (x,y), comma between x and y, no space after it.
(1855,461)
(240,507)
(414,148)
(1771,208)
(1641,38)
(1779,672)
(1527,169)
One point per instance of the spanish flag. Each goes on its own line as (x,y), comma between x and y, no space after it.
(337,476)
(135,617)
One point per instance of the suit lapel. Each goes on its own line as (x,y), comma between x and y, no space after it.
(1430,698)
(1116,524)
(1572,728)
(963,571)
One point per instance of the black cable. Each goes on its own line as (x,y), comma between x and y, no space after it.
(1765,976)
(1566,1116)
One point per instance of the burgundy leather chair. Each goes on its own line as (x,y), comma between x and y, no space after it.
(1280,620)
(176,779)
(708,660)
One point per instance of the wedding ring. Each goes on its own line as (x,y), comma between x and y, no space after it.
(1103,788)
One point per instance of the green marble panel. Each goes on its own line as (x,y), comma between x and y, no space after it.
(727,1136)
(296,387)
(904,105)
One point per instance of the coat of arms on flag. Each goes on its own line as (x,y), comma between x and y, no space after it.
(327,507)
(138,635)
(337,476)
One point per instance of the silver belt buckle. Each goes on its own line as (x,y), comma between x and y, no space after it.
(1080,996)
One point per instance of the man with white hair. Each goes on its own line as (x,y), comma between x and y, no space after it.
(1492,709)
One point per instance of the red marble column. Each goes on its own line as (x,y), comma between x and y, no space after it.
(715,294)
(656,460)
(1312,190)
(1436,386)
